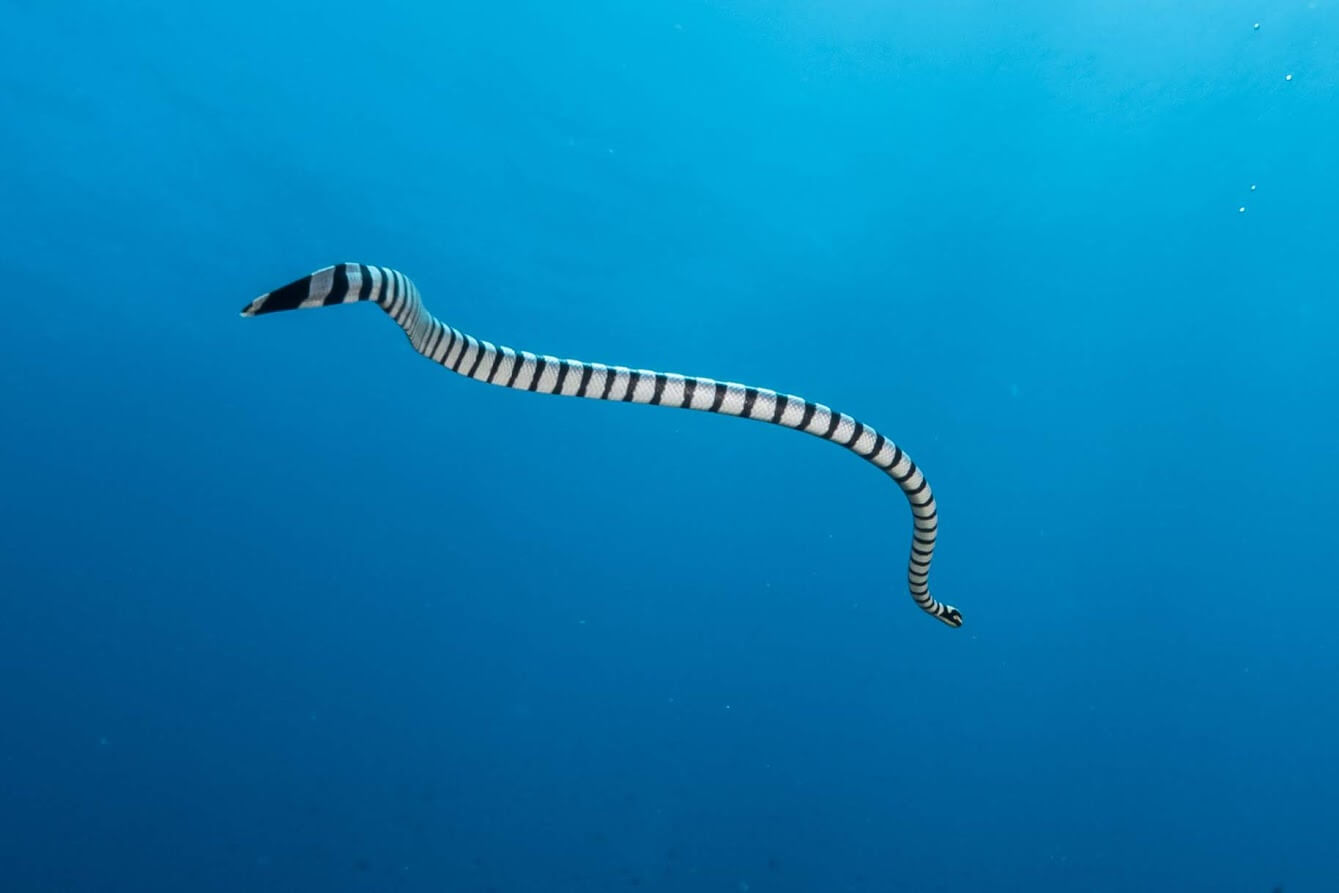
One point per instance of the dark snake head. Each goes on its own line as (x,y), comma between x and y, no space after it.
(950,615)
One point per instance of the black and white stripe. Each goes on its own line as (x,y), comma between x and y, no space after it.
(480,360)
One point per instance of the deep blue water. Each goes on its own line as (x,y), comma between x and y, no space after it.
(286,607)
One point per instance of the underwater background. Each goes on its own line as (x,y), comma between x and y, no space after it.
(287,608)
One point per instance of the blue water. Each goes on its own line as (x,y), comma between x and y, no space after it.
(286,607)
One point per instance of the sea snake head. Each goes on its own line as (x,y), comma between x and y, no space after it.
(950,615)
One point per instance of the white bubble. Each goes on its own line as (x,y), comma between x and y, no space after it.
(1241,210)
(1252,187)
(1257,26)
(1287,77)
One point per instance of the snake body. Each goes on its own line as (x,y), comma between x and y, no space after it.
(394,293)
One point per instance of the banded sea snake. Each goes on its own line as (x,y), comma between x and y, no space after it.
(394,293)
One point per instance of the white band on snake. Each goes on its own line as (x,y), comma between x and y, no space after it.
(394,293)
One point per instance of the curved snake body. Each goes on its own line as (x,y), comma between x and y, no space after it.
(394,293)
